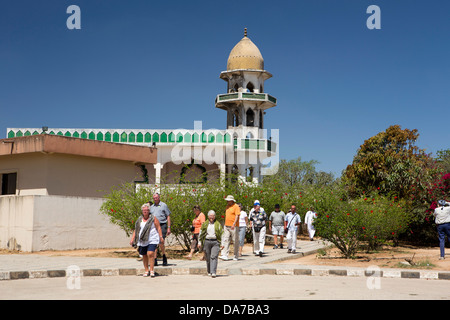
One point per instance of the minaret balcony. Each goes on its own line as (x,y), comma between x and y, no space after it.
(264,100)
(258,145)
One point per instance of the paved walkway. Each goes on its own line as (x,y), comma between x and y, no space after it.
(23,266)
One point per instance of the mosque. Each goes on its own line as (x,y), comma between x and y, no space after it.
(243,148)
(53,179)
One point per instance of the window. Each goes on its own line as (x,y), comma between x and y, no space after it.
(250,118)
(9,182)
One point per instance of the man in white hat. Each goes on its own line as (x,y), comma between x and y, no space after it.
(231,223)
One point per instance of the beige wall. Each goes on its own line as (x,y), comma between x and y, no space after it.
(35,223)
(59,174)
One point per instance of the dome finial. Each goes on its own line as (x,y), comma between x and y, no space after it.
(245,32)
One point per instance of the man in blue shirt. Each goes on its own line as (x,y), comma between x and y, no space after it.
(160,211)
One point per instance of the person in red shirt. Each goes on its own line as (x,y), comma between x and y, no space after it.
(196,225)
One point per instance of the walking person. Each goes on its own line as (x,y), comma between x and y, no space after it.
(232,213)
(292,221)
(209,238)
(195,228)
(243,221)
(276,226)
(146,236)
(258,218)
(442,220)
(160,211)
(309,221)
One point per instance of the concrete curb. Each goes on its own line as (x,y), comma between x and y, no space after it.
(165,271)
(250,265)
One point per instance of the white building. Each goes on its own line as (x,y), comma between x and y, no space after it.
(241,148)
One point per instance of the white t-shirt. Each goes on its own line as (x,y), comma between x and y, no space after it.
(442,215)
(153,237)
(242,217)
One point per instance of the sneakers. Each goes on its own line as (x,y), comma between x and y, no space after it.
(225,258)
(275,247)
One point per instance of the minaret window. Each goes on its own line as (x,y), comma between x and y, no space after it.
(236,119)
(250,87)
(250,118)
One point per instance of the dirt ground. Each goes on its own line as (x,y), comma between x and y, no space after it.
(402,256)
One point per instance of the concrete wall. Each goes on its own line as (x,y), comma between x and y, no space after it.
(35,223)
(61,174)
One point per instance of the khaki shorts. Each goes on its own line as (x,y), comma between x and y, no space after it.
(278,230)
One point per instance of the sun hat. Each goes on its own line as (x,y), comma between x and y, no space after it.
(256,203)
(442,203)
(230,198)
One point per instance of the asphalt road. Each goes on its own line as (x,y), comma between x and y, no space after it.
(225,288)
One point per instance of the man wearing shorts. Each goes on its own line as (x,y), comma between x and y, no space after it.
(276,226)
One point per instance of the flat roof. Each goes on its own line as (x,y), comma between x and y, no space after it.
(46,143)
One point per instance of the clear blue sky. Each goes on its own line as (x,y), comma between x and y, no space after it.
(156,64)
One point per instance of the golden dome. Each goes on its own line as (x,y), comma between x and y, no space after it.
(245,55)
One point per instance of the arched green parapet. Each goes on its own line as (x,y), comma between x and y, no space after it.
(59,133)
(195,137)
(11,134)
(84,135)
(99,136)
(148,137)
(19,134)
(187,137)
(76,134)
(123,137)
(171,137)
(211,138)
(131,137)
(227,138)
(67,134)
(52,132)
(35,133)
(155,137)
(91,135)
(108,136)
(204,137)
(140,137)
(116,137)
(180,137)
(28,133)
(219,138)
(163,137)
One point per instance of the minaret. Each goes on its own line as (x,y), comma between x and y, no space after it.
(246,102)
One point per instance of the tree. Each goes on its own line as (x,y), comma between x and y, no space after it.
(443,160)
(298,172)
(389,163)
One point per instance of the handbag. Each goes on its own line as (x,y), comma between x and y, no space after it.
(286,230)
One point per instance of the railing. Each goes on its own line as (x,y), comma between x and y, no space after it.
(254,144)
(246,96)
